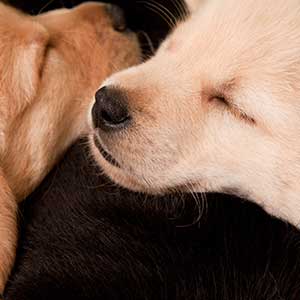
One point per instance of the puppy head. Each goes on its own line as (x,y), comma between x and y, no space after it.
(50,66)
(216,109)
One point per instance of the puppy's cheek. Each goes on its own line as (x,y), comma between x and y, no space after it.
(114,173)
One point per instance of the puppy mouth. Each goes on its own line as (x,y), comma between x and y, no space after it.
(107,156)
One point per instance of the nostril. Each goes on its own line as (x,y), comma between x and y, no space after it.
(118,18)
(114,118)
(106,117)
(110,111)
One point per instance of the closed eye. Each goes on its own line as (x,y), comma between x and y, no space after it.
(43,60)
(221,99)
(234,109)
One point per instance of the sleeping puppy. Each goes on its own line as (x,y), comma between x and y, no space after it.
(85,238)
(215,110)
(47,81)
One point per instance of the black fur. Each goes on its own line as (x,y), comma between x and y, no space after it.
(85,238)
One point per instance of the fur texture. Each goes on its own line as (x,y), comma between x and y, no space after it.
(86,239)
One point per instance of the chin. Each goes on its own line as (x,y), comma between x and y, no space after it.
(112,169)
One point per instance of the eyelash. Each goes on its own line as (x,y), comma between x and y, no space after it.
(221,99)
(234,109)
(45,54)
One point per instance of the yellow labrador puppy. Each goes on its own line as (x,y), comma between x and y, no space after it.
(216,109)
(50,67)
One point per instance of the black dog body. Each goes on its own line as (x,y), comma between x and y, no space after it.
(85,238)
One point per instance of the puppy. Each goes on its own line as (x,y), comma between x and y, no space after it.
(216,109)
(47,62)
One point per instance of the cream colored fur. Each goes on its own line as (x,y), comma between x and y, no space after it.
(50,67)
(217,109)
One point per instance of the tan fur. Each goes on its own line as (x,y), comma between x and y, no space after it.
(193,5)
(50,67)
(218,107)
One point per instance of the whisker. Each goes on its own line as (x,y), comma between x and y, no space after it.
(181,10)
(201,204)
(166,19)
(149,45)
(45,6)
(166,10)
(159,11)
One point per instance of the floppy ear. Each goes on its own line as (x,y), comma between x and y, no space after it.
(192,5)
(28,57)
(23,43)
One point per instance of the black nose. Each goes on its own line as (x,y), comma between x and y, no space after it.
(110,111)
(118,17)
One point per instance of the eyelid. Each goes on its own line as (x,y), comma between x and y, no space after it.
(222,99)
(43,58)
(235,109)
(244,116)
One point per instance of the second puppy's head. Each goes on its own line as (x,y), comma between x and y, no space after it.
(50,66)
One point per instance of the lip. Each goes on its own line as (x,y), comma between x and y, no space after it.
(107,156)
